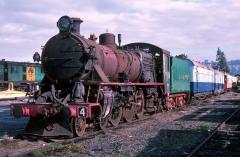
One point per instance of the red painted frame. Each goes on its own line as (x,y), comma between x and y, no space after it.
(125,84)
(32,109)
(74,109)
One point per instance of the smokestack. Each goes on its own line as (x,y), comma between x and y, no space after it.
(76,25)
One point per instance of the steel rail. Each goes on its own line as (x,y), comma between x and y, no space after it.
(212,134)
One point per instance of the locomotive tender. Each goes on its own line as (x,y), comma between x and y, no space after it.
(87,84)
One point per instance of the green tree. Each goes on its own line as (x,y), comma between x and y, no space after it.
(221,61)
(182,56)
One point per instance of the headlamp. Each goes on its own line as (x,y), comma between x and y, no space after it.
(65,24)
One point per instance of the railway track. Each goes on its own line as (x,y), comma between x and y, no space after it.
(223,141)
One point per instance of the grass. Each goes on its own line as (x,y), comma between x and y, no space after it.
(60,150)
(205,127)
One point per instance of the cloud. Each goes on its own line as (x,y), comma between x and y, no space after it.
(195,27)
(161,6)
(12,27)
(11,40)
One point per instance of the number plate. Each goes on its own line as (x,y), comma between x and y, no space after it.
(82,112)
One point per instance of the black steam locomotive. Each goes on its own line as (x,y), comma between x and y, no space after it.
(87,84)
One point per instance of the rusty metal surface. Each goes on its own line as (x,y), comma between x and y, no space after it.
(108,39)
(100,73)
(115,62)
(109,61)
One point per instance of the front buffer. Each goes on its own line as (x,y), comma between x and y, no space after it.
(49,121)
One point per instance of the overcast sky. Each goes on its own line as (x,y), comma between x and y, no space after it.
(194,27)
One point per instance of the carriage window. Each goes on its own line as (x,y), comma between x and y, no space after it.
(14,69)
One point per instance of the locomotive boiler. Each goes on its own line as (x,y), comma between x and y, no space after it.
(89,84)
(69,57)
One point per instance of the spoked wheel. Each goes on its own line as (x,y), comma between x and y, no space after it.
(139,107)
(128,113)
(170,104)
(116,115)
(79,126)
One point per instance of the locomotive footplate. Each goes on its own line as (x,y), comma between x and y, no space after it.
(50,121)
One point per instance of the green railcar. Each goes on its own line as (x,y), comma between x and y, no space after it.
(180,75)
(38,73)
(1,72)
(15,72)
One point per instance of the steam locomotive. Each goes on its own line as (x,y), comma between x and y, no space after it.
(99,85)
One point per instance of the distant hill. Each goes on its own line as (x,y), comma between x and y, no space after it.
(234,65)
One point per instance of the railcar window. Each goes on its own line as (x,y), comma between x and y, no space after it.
(13,69)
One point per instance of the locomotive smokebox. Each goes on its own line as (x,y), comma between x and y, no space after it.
(108,39)
(62,56)
(76,25)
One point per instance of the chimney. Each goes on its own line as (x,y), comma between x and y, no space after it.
(76,25)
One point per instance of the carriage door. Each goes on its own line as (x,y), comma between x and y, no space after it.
(225,82)
(166,72)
